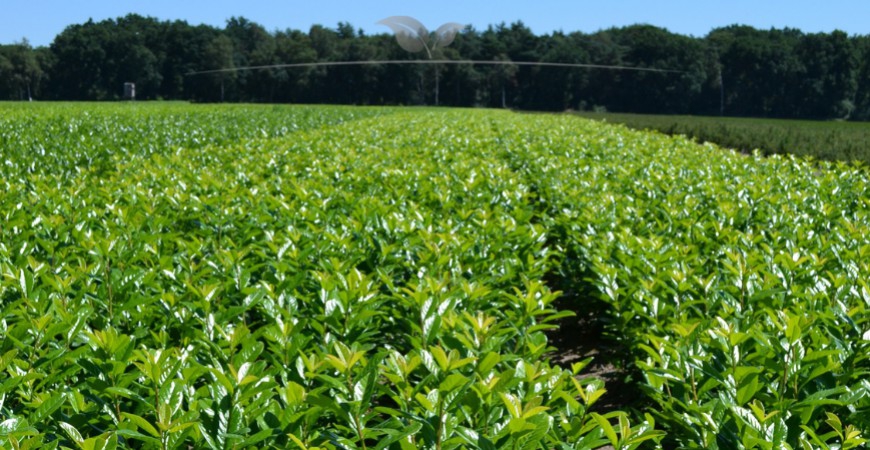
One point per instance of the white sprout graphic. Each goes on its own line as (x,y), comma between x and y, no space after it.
(414,37)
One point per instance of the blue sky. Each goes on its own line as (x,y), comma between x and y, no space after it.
(41,20)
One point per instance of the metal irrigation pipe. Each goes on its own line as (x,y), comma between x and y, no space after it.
(434,61)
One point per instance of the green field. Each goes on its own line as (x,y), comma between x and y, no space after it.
(179,276)
(830,140)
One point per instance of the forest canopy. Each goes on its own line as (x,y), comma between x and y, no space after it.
(734,70)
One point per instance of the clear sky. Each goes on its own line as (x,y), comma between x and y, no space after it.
(40,20)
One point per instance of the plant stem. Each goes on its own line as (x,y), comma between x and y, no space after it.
(440,431)
(109,293)
(784,383)
(356,418)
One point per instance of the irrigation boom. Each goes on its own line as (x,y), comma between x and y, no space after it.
(435,61)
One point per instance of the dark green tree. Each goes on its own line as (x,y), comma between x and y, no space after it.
(829,82)
(21,69)
(293,84)
(649,47)
(862,88)
(219,55)
(760,70)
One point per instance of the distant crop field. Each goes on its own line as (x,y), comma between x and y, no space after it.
(828,140)
(181,276)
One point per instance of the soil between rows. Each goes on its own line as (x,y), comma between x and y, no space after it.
(585,335)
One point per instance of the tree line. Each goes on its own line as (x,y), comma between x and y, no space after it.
(735,70)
